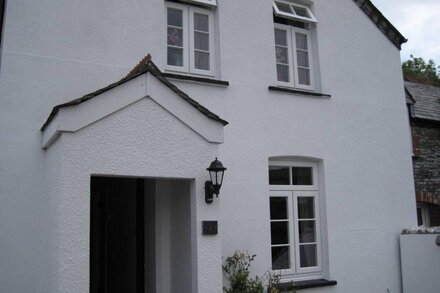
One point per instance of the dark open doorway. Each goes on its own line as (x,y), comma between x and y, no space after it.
(117,236)
(140,235)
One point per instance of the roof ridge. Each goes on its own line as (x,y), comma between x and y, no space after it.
(140,66)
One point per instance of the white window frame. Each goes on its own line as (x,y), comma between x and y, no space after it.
(291,81)
(293,15)
(210,15)
(293,57)
(295,163)
(185,38)
(292,192)
(188,40)
(204,2)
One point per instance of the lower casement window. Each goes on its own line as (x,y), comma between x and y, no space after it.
(296,246)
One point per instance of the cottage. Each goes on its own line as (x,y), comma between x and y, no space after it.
(105,149)
(424,113)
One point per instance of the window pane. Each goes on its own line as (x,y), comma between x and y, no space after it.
(201,22)
(175,56)
(175,36)
(284,7)
(301,11)
(307,232)
(283,73)
(280,258)
(175,17)
(302,176)
(301,41)
(279,175)
(307,255)
(279,233)
(304,76)
(278,208)
(306,207)
(201,60)
(201,41)
(281,55)
(280,37)
(303,58)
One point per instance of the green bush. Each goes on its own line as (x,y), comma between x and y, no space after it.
(237,274)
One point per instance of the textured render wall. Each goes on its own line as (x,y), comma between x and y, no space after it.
(58,50)
(140,140)
(361,134)
(48,229)
(52,51)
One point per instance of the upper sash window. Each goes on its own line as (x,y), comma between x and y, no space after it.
(293,45)
(190,39)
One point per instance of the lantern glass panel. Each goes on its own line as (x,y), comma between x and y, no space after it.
(212,174)
(221,173)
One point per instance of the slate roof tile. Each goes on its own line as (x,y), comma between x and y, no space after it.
(427,100)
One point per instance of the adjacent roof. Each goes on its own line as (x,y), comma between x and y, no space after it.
(409,98)
(427,100)
(144,66)
(382,22)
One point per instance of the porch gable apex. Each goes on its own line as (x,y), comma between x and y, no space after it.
(144,81)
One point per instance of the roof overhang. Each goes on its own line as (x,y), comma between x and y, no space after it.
(77,114)
(382,23)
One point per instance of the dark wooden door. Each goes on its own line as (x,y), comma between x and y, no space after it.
(117,235)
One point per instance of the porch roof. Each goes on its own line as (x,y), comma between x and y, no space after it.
(144,66)
(145,80)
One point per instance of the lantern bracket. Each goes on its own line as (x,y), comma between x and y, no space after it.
(209,192)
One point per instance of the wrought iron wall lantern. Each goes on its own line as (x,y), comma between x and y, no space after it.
(216,172)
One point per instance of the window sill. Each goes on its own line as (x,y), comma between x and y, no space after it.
(299,285)
(298,91)
(197,79)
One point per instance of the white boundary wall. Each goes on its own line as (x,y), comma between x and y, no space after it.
(420,263)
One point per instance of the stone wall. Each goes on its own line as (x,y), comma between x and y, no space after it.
(426,163)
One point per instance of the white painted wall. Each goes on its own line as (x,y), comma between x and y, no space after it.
(140,140)
(173,242)
(55,51)
(420,263)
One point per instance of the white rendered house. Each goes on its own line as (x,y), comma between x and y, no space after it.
(103,157)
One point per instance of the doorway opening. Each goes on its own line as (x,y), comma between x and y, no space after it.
(140,235)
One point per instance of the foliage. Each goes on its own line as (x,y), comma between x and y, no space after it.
(418,70)
(236,272)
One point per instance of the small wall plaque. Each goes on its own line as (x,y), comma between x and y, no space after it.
(209,228)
